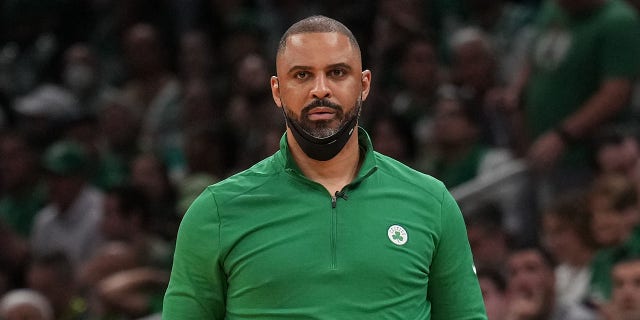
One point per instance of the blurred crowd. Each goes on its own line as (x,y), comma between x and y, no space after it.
(115,114)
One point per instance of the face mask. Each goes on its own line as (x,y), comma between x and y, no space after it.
(323,149)
(79,77)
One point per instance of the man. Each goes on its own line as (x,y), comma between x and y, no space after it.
(582,66)
(326,228)
(531,289)
(70,220)
(625,302)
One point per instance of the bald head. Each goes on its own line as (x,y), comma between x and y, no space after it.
(317,24)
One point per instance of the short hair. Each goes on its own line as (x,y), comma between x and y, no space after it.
(572,209)
(493,275)
(317,24)
(546,256)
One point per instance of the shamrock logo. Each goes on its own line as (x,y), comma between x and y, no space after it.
(397,235)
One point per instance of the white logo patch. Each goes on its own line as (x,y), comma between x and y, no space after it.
(397,234)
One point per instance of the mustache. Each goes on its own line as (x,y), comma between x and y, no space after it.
(321,103)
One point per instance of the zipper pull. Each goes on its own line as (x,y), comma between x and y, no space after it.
(334,201)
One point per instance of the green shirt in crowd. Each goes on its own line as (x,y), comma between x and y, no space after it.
(572,56)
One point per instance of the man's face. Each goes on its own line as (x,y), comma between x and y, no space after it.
(320,81)
(529,276)
(561,239)
(626,289)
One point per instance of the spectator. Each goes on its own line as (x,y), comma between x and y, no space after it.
(625,298)
(392,136)
(474,69)
(53,276)
(150,175)
(118,284)
(119,126)
(156,92)
(23,195)
(394,24)
(196,56)
(490,242)
(614,206)
(419,78)
(69,221)
(566,231)
(21,304)
(617,151)
(531,289)
(250,108)
(494,287)
(460,155)
(126,219)
(579,77)
(23,192)
(81,75)
(41,111)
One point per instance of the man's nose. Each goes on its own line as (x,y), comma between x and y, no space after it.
(321,88)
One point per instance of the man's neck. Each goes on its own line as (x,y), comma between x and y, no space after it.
(333,174)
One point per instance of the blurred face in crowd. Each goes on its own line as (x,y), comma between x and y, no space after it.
(609,226)
(561,239)
(251,72)
(148,174)
(619,157)
(195,56)
(420,67)
(115,224)
(320,82)
(530,278)
(143,50)
(474,66)
(80,68)
(63,189)
(626,289)
(119,125)
(17,163)
(451,126)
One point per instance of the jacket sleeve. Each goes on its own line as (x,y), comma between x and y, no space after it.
(197,287)
(453,288)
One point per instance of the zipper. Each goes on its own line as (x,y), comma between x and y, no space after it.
(334,234)
(334,227)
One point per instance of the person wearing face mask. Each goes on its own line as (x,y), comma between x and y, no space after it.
(325,228)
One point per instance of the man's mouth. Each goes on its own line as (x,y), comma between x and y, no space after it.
(321,113)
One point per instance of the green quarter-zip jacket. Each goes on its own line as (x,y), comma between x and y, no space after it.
(268,243)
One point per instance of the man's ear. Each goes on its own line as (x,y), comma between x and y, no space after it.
(275,91)
(366,84)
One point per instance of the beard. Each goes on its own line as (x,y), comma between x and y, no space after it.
(321,129)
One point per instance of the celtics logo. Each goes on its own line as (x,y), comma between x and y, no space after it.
(397,235)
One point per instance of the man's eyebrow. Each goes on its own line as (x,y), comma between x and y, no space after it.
(341,65)
(331,66)
(298,68)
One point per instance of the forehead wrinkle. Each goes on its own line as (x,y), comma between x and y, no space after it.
(300,41)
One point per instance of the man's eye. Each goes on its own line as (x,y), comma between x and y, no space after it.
(337,73)
(301,75)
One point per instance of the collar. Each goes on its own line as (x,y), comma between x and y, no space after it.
(369,164)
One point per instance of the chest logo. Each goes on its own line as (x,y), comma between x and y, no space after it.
(397,235)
